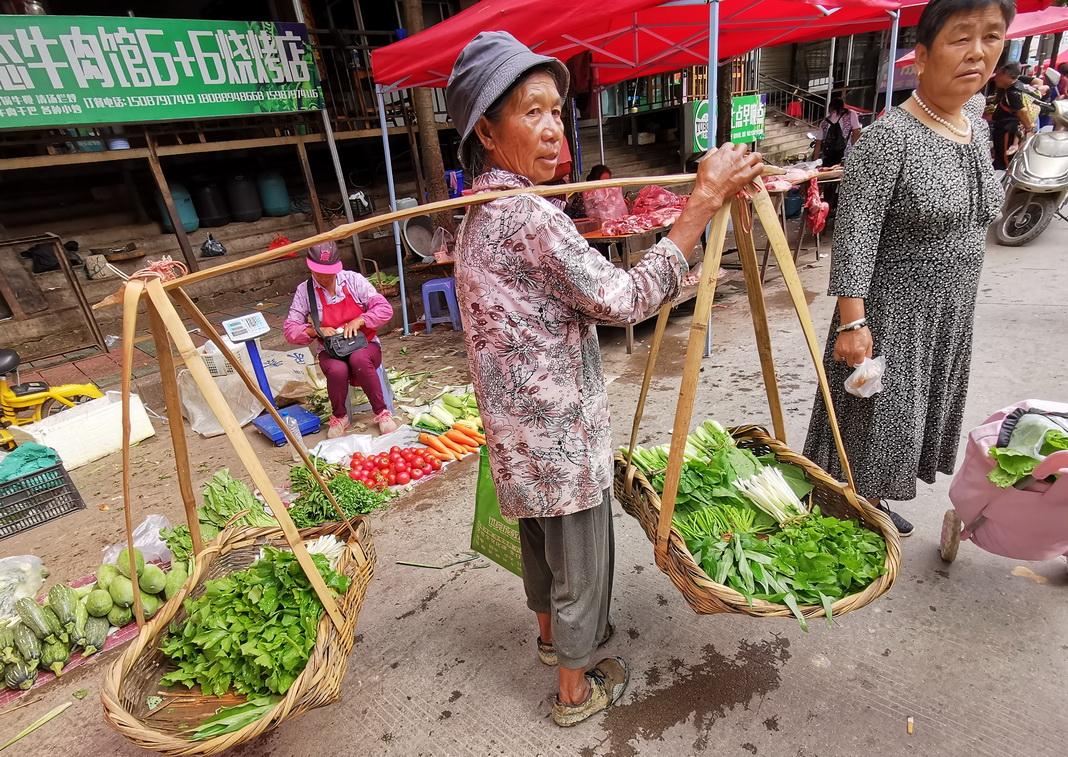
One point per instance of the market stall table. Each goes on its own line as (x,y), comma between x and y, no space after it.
(626,256)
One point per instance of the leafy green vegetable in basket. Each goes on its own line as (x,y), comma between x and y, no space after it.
(251,630)
(230,719)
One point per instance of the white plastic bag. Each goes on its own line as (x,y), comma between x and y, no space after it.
(146,539)
(20,576)
(867,379)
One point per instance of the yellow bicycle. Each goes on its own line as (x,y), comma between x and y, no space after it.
(21,404)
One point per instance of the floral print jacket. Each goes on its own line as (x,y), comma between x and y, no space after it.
(531,291)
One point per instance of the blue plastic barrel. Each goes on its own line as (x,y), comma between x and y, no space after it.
(187,214)
(273,193)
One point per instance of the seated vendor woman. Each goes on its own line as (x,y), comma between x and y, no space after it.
(347,304)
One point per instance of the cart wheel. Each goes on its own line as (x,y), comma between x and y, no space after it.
(950,541)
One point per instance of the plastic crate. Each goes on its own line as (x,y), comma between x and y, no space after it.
(36,498)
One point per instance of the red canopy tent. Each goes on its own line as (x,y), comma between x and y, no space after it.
(631,38)
(1048,21)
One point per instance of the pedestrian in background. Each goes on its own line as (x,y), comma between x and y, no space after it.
(918,195)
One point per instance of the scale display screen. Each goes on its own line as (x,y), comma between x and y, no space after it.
(246,327)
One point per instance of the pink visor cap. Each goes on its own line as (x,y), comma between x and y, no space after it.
(324,258)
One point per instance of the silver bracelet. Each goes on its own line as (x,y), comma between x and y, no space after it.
(854,326)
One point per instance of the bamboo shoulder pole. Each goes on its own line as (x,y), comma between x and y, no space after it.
(765,210)
(742,217)
(205,325)
(442,206)
(195,363)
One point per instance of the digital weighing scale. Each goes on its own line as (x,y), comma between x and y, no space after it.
(247,328)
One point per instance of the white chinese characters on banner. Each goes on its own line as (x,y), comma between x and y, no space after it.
(125,58)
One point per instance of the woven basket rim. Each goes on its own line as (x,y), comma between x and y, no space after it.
(727,598)
(356,562)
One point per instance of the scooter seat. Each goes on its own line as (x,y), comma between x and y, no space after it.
(9,361)
(21,390)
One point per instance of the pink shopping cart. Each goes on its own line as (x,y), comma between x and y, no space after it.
(1028,523)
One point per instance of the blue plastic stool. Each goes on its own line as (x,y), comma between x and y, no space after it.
(432,313)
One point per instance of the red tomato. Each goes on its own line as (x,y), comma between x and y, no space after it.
(403,478)
(406,455)
(354,475)
(401,465)
(435,464)
(394,450)
(416,474)
(391,479)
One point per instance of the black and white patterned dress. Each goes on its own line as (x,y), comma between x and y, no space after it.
(910,239)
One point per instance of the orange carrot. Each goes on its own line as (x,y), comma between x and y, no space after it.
(435,444)
(461,438)
(452,446)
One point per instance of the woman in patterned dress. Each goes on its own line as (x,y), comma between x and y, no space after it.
(918,195)
(531,291)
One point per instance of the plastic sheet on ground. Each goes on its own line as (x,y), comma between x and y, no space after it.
(292,375)
(340,450)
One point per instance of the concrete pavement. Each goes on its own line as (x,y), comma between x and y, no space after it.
(976,652)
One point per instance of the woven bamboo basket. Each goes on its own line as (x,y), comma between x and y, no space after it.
(136,675)
(704,595)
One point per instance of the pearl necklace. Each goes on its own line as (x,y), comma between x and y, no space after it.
(965,132)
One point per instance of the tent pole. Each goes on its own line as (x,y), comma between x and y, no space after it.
(600,120)
(393,207)
(328,130)
(849,62)
(892,59)
(830,75)
(713,72)
(713,113)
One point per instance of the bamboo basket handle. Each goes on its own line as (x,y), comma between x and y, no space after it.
(765,210)
(706,291)
(647,380)
(205,325)
(742,217)
(131,298)
(366,224)
(208,388)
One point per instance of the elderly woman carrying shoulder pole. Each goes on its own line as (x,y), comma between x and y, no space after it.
(531,291)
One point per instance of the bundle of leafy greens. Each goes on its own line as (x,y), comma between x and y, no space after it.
(311,507)
(224,497)
(252,630)
(812,561)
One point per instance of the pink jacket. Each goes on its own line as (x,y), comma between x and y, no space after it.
(377,310)
(531,290)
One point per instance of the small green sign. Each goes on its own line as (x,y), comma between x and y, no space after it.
(747,118)
(75,70)
(700,126)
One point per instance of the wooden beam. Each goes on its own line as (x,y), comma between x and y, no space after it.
(309,182)
(168,201)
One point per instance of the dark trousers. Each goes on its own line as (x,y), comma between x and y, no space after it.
(568,563)
(360,369)
(1003,132)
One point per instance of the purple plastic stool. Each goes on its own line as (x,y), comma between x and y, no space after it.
(433,311)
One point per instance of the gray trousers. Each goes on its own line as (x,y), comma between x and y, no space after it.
(568,563)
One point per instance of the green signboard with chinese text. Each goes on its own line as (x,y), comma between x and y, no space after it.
(700,126)
(77,70)
(747,118)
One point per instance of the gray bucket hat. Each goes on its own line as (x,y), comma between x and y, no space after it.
(484,70)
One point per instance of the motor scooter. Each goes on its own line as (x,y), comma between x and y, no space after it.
(1036,183)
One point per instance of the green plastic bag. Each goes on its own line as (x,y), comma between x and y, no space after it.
(492,535)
